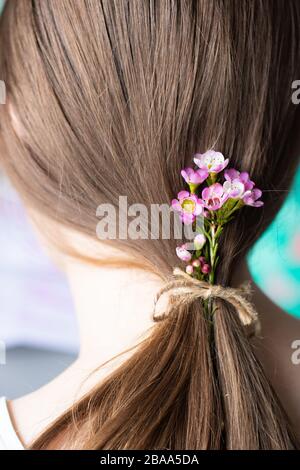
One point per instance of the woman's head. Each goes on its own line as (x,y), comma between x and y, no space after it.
(113,98)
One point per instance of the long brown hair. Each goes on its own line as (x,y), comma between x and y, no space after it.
(114,97)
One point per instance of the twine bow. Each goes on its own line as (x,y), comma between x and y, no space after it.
(185,289)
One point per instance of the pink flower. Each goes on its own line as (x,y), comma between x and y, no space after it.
(195,177)
(232,174)
(202,264)
(196,263)
(211,161)
(235,189)
(188,205)
(183,253)
(205,268)
(251,196)
(214,196)
(189,269)
(199,241)
(237,183)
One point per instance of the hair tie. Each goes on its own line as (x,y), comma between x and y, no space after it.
(185,289)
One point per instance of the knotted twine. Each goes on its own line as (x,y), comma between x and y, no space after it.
(184,289)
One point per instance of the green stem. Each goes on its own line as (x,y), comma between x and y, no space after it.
(215,232)
(213,252)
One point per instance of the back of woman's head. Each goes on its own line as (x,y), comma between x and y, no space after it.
(113,98)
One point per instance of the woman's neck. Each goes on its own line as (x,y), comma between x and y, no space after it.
(113,308)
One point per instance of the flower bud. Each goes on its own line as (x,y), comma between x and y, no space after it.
(196,263)
(205,268)
(189,269)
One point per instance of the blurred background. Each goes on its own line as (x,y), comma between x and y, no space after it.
(275,259)
(38,331)
(37,321)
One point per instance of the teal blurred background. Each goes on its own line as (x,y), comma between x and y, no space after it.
(274,262)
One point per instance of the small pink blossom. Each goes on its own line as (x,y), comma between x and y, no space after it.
(194,177)
(183,253)
(211,161)
(214,196)
(189,269)
(251,198)
(188,205)
(196,263)
(205,268)
(202,264)
(231,175)
(235,189)
(199,241)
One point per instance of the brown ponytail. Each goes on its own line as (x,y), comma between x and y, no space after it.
(139,86)
(186,387)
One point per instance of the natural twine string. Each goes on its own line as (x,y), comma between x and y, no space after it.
(184,289)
